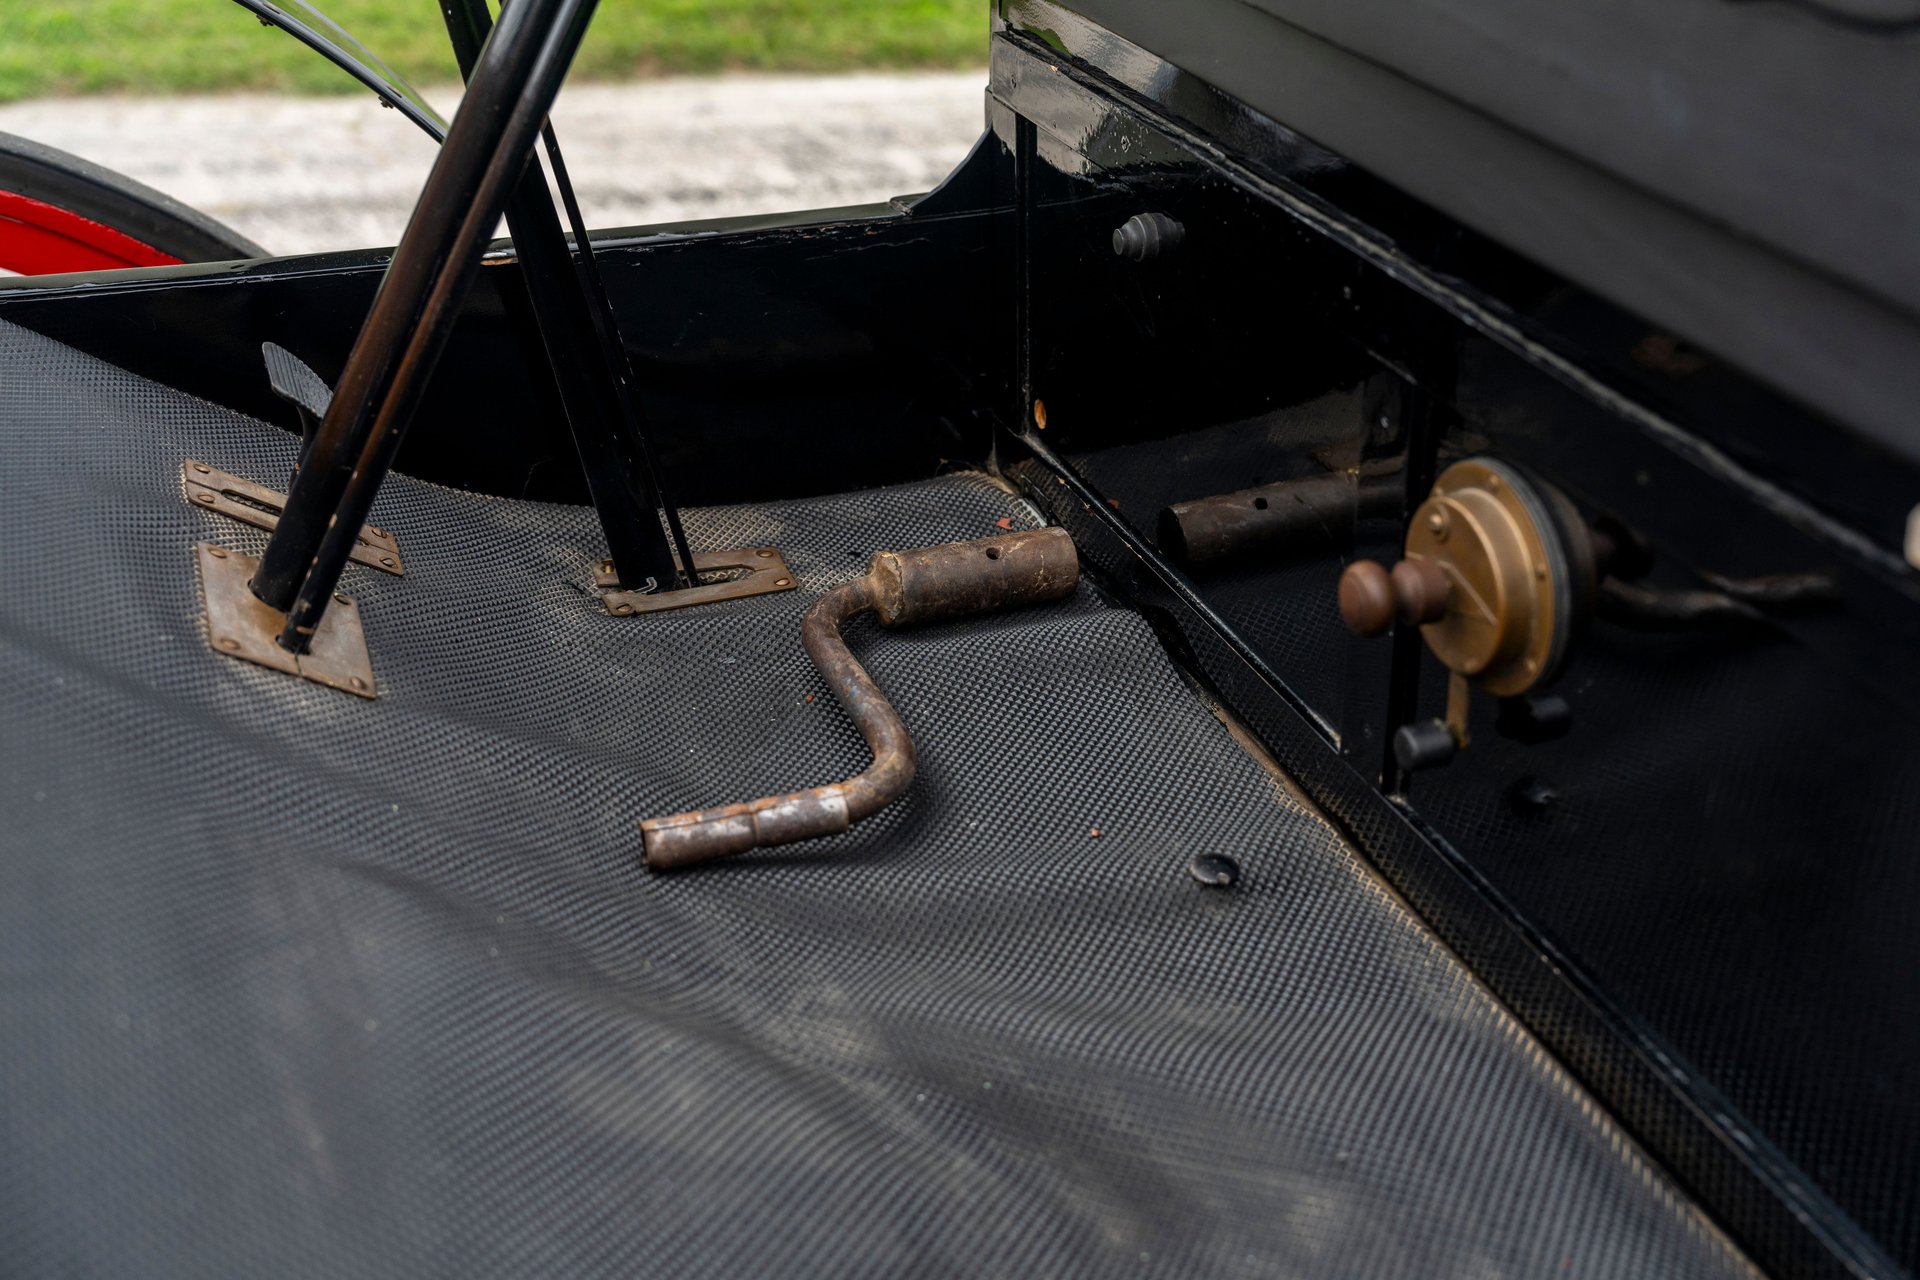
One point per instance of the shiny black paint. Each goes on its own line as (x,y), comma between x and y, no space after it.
(1699,897)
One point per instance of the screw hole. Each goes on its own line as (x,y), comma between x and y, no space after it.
(993,553)
(1259,504)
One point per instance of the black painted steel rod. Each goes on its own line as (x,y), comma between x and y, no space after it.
(614,352)
(573,318)
(486,152)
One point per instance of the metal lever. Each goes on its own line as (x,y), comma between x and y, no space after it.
(902,589)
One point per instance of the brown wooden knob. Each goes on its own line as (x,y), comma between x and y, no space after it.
(1416,591)
(1367,601)
(1422,588)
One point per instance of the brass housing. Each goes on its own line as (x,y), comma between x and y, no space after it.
(1519,580)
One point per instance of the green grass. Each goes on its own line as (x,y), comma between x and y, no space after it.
(52,47)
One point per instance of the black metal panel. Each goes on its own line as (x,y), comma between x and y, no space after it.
(776,356)
(1792,323)
(1707,917)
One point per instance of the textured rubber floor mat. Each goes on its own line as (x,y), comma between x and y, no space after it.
(294,983)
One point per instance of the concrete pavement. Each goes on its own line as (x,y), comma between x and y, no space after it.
(304,174)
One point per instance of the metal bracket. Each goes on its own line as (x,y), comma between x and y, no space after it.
(249,503)
(241,625)
(763,572)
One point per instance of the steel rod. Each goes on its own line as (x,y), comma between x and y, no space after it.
(486,152)
(613,455)
(901,589)
(614,353)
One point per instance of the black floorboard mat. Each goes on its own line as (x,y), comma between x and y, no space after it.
(294,983)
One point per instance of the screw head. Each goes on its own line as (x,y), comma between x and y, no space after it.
(1437,524)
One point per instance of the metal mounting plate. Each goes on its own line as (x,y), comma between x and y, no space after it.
(241,625)
(214,490)
(765,572)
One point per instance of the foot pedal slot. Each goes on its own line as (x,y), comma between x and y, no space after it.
(249,503)
(241,625)
(762,571)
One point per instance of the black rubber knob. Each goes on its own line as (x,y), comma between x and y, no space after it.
(1425,744)
(1145,236)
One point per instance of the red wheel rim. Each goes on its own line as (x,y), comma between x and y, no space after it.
(39,239)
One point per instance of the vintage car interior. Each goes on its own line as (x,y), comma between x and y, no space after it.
(1298,672)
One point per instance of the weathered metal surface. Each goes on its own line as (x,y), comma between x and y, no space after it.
(241,626)
(934,584)
(901,588)
(764,572)
(1308,515)
(211,489)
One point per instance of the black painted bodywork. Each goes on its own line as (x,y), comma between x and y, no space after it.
(1699,898)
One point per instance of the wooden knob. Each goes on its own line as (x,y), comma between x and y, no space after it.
(1422,589)
(1416,592)
(1367,598)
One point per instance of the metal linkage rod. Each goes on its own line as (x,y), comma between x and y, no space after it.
(486,152)
(614,352)
(575,327)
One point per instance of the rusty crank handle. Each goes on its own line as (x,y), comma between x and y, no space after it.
(902,589)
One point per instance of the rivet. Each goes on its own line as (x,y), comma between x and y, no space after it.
(376,533)
(387,561)
(358,683)
(203,468)
(204,499)
(783,582)
(767,554)
(1493,482)
(620,610)
(1216,871)
(218,553)
(341,596)
(228,643)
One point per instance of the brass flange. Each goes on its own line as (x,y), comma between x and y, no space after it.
(1499,574)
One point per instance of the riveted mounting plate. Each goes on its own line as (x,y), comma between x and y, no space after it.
(214,490)
(761,570)
(241,625)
